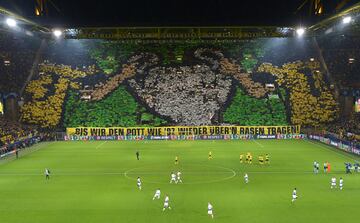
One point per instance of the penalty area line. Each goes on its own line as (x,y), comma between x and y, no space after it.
(259,144)
(97,147)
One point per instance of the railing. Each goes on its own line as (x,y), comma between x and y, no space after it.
(185,137)
(20,144)
(332,140)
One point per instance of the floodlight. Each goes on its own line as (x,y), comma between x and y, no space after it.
(57,32)
(300,31)
(347,19)
(11,22)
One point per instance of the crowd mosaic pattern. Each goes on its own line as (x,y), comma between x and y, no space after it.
(152,84)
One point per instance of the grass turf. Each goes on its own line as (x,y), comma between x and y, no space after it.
(96,182)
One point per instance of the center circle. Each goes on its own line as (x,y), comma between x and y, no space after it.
(190,173)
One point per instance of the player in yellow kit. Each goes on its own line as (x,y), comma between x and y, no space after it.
(241,158)
(261,159)
(176,160)
(267,158)
(210,156)
(247,157)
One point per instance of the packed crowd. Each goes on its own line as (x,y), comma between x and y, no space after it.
(346,128)
(309,106)
(343,65)
(342,56)
(187,94)
(253,88)
(136,64)
(190,94)
(101,90)
(44,108)
(12,131)
(14,69)
(230,67)
(15,137)
(17,56)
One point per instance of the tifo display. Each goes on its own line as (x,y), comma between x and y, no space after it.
(179,124)
(111,83)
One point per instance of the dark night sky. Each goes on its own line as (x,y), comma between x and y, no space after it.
(165,12)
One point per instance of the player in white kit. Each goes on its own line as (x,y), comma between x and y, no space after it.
(333,182)
(166,203)
(294,195)
(47,174)
(178,179)
(317,167)
(246,178)
(341,183)
(157,194)
(139,183)
(315,170)
(210,210)
(173,178)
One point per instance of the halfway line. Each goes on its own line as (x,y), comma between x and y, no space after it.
(190,173)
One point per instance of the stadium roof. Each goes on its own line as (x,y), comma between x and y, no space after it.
(190,32)
(80,13)
(26,23)
(331,23)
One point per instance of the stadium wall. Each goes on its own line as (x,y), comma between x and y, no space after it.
(333,141)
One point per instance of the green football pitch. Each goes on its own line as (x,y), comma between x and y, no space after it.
(95,181)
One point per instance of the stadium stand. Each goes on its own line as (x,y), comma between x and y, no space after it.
(340,55)
(205,90)
(125,108)
(12,131)
(114,83)
(18,56)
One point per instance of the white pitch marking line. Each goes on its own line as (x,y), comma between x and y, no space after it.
(134,173)
(101,145)
(332,150)
(40,145)
(259,144)
(127,173)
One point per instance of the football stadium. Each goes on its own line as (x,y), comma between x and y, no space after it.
(179,123)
